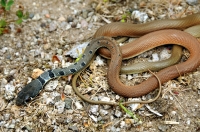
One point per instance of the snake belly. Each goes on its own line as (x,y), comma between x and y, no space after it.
(34,87)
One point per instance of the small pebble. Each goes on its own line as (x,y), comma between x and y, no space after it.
(31,15)
(68,103)
(47,46)
(36,17)
(129,121)
(115,129)
(134,106)
(8,56)
(59,51)
(164,54)
(63,25)
(52,26)
(94,109)
(130,77)
(78,105)
(9,92)
(162,128)
(36,73)
(48,100)
(99,61)
(6,116)
(94,118)
(139,16)
(122,124)
(84,24)
(47,15)
(192,2)
(60,106)
(43,25)
(73,25)
(76,50)
(13,71)
(9,88)
(68,89)
(118,113)
(173,112)
(149,124)
(104,98)
(188,121)
(155,57)
(12,27)
(73,128)
(85,14)
(103,112)
(61,19)
(70,19)
(19,45)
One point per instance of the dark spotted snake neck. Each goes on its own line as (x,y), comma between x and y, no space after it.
(34,87)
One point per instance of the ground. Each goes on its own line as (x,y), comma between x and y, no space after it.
(55,27)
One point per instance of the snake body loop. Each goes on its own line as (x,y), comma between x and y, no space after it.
(145,43)
(175,57)
(135,30)
(162,37)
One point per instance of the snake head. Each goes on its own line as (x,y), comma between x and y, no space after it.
(29,91)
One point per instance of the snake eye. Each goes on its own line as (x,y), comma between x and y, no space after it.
(27,98)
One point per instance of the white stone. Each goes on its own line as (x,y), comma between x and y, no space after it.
(60,106)
(141,16)
(36,17)
(78,105)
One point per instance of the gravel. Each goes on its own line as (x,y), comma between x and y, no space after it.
(64,27)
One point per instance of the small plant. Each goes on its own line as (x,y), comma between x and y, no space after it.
(2,26)
(124,16)
(130,113)
(5,7)
(21,16)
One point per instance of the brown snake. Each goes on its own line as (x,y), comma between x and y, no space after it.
(135,30)
(111,102)
(176,54)
(145,43)
(148,42)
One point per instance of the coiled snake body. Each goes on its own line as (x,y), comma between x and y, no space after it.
(143,44)
(135,30)
(148,42)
